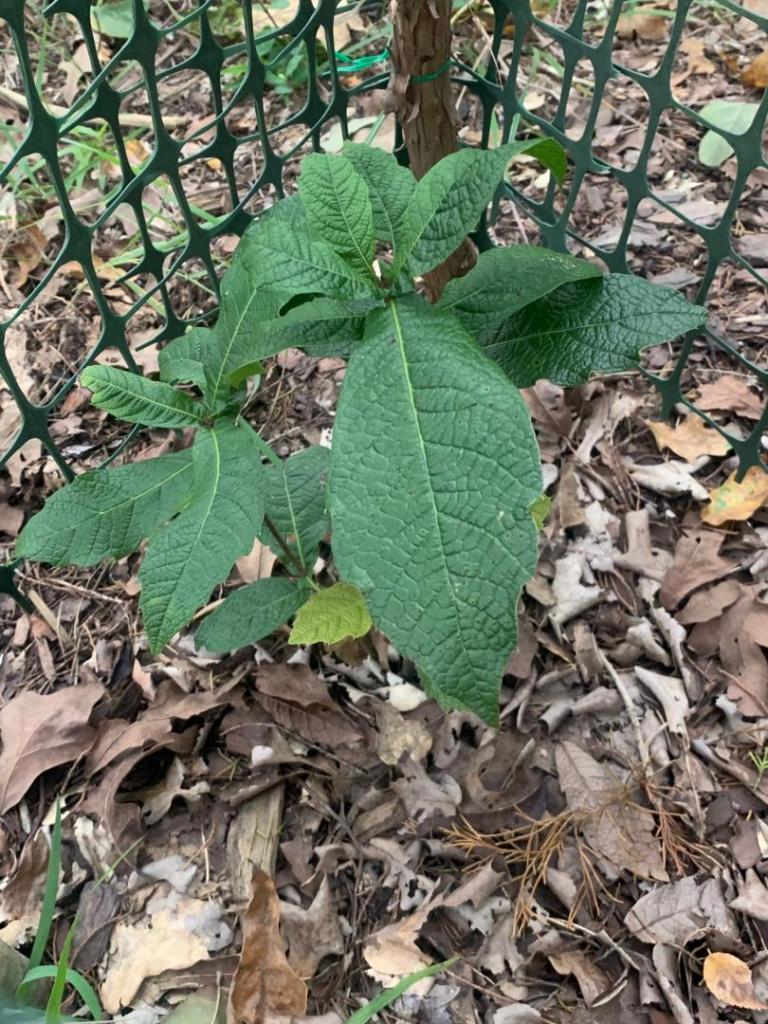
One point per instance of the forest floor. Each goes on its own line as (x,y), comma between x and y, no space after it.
(583,861)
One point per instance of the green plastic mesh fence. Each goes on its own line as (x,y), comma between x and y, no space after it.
(139,138)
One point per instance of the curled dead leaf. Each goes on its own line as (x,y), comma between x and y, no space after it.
(756,74)
(264,984)
(729,979)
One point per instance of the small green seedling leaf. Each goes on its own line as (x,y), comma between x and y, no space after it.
(251,613)
(330,616)
(107,513)
(732,116)
(132,397)
(295,503)
(540,510)
(338,207)
(389,995)
(586,327)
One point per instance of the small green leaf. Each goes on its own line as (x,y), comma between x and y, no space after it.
(586,327)
(338,207)
(446,205)
(197,549)
(114,19)
(548,152)
(330,616)
(434,468)
(250,613)
(390,187)
(504,280)
(181,361)
(107,513)
(732,116)
(243,318)
(321,327)
(280,251)
(132,397)
(295,503)
(448,201)
(540,510)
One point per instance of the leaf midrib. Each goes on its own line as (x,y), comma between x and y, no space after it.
(363,258)
(422,448)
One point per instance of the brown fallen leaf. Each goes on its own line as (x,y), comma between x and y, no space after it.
(697,561)
(730,393)
(753,897)
(299,700)
(22,897)
(756,74)
(737,501)
(698,62)
(593,981)
(738,637)
(620,832)
(653,27)
(689,439)
(264,983)
(117,737)
(675,913)
(41,732)
(729,979)
(313,933)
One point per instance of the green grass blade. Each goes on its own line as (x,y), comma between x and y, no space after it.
(49,896)
(383,999)
(56,998)
(80,984)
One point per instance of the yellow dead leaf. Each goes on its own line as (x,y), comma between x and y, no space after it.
(756,74)
(734,501)
(136,150)
(690,438)
(730,980)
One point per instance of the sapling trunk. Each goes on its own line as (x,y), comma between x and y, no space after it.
(421,96)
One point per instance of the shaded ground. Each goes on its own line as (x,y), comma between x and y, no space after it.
(584,860)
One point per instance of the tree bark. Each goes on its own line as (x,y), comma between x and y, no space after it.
(421,46)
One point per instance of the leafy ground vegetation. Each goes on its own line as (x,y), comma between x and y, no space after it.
(598,858)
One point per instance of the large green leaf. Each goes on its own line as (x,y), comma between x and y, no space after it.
(280,251)
(504,280)
(390,187)
(197,549)
(250,613)
(595,326)
(338,207)
(434,469)
(447,202)
(107,513)
(132,397)
(295,503)
(331,615)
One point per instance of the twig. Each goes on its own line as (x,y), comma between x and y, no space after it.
(624,693)
(19,100)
